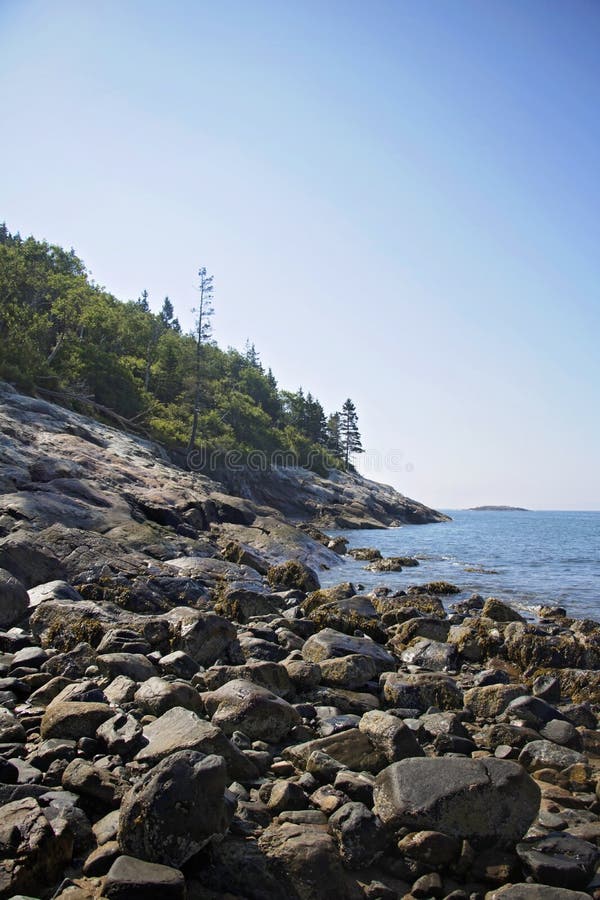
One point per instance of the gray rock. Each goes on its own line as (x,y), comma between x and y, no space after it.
(242,705)
(435,656)
(203,636)
(533,711)
(52,590)
(421,691)
(181,729)
(328,644)
(358,833)
(155,696)
(85,779)
(390,736)
(483,801)
(352,671)
(560,860)
(122,734)
(132,665)
(73,720)
(33,850)
(176,809)
(11,730)
(544,754)
(488,702)
(14,600)
(351,748)
(134,879)
(179,664)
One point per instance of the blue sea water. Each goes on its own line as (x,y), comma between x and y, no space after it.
(525,558)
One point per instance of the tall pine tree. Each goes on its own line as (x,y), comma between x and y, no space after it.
(349,433)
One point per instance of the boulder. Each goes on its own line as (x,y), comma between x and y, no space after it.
(390,736)
(351,748)
(421,691)
(122,734)
(176,809)
(293,574)
(435,656)
(33,850)
(352,671)
(203,636)
(182,729)
(488,702)
(349,614)
(547,755)
(14,600)
(306,859)
(11,730)
(559,859)
(358,833)
(243,706)
(134,879)
(69,719)
(82,777)
(329,644)
(500,612)
(132,665)
(155,696)
(485,801)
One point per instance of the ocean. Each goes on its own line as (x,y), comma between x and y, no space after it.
(526,558)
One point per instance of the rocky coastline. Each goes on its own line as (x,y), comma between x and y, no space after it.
(186,713)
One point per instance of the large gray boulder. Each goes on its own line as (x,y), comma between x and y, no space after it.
(241,705)
(182,729)
(155,696)
(175,810)
(329,644)
(485,801)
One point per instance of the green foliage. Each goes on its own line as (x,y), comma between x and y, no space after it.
(64,336)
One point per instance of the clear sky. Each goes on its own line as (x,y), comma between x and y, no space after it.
(399,201)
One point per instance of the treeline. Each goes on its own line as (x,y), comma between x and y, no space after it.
(63,336)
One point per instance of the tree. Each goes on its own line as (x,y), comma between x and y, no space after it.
(348,430)
(202,333)
(167,316)
(334,440)
(142,301)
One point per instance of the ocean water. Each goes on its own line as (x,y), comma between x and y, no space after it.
(525,558)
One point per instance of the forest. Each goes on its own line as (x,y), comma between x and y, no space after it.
(66,339)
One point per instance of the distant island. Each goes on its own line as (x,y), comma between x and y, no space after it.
(498,509)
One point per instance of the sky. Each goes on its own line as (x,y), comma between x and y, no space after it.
(399,202)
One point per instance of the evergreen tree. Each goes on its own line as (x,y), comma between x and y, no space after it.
(202,333)
(349,433)
(333,439)
(251,355)
(142,301)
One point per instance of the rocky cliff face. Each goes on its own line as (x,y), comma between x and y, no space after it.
(342,500)
(80,500)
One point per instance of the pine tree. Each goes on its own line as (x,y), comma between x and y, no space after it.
(202,332)
(142,301)
(334,440)
(349,433)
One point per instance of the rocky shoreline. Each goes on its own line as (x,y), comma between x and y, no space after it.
(185,713)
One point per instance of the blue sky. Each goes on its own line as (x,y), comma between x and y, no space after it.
(399,202)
